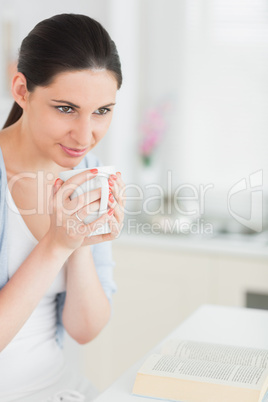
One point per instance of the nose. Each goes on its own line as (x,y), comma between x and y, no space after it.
(82,132)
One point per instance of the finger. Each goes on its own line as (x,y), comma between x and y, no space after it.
(116,184)
(97,239)
(115,232)
(86,198)
(89,210)
(100,222)
(57,185)
(112,179)
(118,192)
(100,238)
(119,179)
(111,201)
(118,212)
(89,241)
(116,227)
(75,181)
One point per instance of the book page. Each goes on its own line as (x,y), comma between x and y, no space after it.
(205,371)
(217,353)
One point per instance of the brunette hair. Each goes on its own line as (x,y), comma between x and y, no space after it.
(64,42)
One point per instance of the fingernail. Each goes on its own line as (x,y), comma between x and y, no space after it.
(56,181)
(113,177)
(111,198)
(118,173)
(111,183)
(94,171)
(110,212)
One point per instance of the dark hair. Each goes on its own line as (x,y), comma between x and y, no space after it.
(64,42)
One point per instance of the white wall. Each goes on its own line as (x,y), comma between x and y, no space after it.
(119,146)
(121,19)
(25,15)
(209,58)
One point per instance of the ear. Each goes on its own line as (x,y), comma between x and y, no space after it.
(19,89)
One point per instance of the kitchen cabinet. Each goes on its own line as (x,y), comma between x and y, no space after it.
(158,288)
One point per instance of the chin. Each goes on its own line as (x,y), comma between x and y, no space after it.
(70,165)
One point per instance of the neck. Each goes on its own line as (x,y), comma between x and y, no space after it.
(21,154)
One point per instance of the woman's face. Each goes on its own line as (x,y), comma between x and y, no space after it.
(66,119)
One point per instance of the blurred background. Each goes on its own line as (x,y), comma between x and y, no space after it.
(190,137)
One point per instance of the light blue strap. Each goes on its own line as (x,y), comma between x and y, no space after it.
(265,398)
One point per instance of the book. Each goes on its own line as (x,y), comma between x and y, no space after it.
(188,371)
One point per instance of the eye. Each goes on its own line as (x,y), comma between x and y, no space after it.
(65,109)
(102,111)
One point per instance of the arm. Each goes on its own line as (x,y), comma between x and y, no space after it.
(90,279)
(22,293)
(87,308)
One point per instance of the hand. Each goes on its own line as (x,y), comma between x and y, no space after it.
(116,204)
(65,227)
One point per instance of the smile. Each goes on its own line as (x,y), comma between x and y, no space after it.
(73,151)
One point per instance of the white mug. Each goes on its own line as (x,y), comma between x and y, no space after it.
(100,181)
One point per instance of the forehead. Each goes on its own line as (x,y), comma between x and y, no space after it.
(98,86)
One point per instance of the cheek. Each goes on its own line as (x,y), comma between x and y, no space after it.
(102,128)
(52,127)
(57,128)
(42,121)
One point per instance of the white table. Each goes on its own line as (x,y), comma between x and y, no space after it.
(227,325)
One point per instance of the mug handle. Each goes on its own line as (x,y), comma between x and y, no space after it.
(103,206)
(104,195)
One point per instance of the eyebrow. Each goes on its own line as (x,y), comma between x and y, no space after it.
(78,107)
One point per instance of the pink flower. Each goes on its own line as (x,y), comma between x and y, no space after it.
(153,128)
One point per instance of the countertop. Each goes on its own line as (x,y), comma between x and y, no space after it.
(253,245)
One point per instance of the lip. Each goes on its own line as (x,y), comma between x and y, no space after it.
(72,151)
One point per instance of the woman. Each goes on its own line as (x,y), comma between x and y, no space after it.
(51,277)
